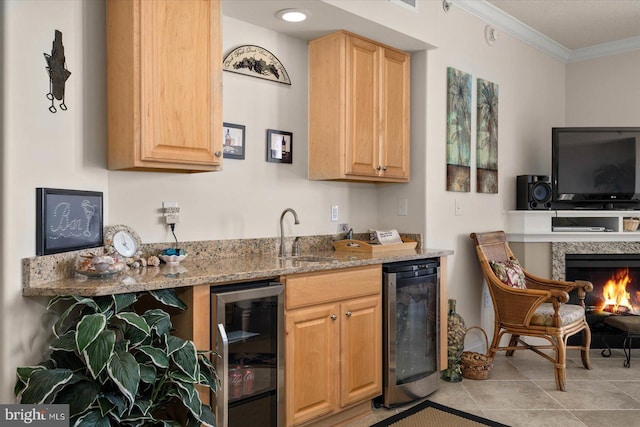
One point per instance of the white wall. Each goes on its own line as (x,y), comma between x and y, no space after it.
(40,149)
(604,91)
(531,101)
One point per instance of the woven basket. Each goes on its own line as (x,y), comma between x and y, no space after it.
(629,224)
(476,366)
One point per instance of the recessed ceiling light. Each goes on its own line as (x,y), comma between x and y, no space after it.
(293,15)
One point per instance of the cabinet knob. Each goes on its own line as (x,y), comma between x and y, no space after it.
(333,317)
(384,168)
(348,314)
(379,167)
(218,153)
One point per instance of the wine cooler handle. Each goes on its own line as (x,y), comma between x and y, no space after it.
(223,401)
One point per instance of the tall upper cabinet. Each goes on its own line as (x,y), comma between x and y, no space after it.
(358,110)
(164,83)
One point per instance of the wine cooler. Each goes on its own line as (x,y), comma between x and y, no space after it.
(248,333)
(411,339)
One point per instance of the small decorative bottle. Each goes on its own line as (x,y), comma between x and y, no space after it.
(456,331)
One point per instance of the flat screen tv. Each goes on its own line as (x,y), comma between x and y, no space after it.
(596,167)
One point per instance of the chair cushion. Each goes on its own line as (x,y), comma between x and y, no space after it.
(569,313)
(509,272)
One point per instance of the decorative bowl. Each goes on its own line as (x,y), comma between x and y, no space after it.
(172,259)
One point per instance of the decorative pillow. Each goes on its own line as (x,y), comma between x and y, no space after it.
(510,273)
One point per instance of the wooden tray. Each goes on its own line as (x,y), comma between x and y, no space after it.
(361,246)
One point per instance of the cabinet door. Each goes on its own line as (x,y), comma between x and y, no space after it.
(176,68)
(311,368)
(164,73)
(363,97)
(395,114)
(361,349)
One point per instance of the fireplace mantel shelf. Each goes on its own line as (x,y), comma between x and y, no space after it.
(537,226)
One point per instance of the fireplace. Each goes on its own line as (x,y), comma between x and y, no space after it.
(616,290)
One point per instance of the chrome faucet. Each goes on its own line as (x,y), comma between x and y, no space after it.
(283,248)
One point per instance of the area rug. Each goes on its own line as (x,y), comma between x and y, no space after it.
(432,414)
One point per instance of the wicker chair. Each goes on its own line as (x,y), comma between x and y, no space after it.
(539,310)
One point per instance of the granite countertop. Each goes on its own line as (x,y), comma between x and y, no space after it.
(39,279)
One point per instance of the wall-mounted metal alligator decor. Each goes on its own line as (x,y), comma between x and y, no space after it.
(58,73)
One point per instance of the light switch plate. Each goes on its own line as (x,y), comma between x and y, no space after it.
(334,213)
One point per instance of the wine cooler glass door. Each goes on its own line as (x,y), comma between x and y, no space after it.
(249,331)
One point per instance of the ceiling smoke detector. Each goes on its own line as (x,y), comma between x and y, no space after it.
(293,15)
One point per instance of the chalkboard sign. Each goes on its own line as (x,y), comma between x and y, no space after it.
(67,220)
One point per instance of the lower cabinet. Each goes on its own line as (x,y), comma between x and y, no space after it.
(333,341)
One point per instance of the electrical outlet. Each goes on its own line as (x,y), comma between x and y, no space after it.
(403,207)
(457,208)
(171,212)
(334,213)
(344,228)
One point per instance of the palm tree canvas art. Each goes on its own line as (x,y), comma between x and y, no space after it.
(487,137)
(458,130)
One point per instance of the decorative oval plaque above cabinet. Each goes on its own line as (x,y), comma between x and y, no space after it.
(164,78)
(358,110)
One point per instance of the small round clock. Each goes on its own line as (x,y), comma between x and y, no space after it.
(122,240)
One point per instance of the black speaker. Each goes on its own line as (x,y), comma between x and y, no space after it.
(534,192)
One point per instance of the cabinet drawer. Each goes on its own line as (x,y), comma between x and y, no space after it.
(317,288)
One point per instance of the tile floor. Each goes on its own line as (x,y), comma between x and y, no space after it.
(522,392)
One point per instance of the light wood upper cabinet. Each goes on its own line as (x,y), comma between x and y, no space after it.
(164,77)
(358,110)
(333,342)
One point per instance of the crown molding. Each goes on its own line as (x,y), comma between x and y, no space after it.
(518,29)
(605,49)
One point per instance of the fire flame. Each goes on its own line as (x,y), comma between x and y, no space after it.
(614,292)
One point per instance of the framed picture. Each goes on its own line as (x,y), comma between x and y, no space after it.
(279,146)
(67,220)
(233,137)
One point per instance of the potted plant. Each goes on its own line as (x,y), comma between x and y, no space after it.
(114,366)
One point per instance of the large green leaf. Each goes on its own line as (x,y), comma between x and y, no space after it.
(53,301)
(157,356)
(191,401)
(135,320)
(148,374)
(143,405)
(118,401)
(206,416)
(66,342)
(58,328)
(93,419)
(125,372)
(189,396)
(24,372)
(174,343)
(123,301)
(43,383)
(168,297)
(105,405)
(186,359)
(79,397)
(98,353)
(159,320)
(208,374)
(105,303)
(88,329)
(134,336)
